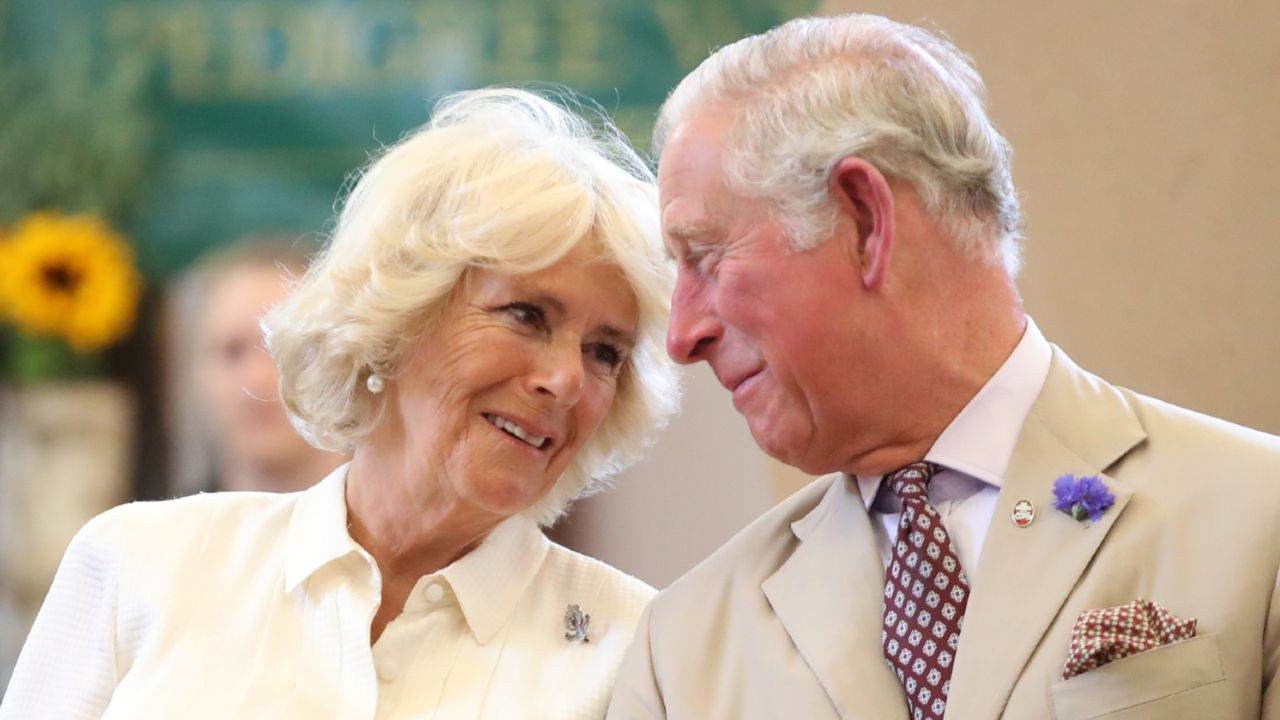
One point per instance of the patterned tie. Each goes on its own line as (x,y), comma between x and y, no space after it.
(925,595)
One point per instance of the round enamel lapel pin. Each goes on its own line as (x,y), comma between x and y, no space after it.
(1024,511)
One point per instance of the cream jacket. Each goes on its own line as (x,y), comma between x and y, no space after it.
(784,620)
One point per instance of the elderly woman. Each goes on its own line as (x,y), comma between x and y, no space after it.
(484,335)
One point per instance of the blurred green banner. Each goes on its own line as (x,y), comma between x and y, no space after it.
(196,121)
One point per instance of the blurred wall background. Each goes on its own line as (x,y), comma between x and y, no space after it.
(1146,156)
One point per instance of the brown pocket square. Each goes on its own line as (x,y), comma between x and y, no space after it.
(1100,636)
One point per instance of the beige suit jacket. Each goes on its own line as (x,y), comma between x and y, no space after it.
(784,620)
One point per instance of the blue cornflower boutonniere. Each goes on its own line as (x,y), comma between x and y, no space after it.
(1083,498)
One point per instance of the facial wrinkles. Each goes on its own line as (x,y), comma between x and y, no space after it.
(445,435)
(689,218)
(774,313)
(826,373)
(446,421)
(575,324)
(746,268)
(693,293)
(700,246)
(748,284)
(540,360)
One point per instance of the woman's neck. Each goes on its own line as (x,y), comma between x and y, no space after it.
(410,521)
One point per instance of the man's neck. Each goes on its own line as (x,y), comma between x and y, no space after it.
(953,361)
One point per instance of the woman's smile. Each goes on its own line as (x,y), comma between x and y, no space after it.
(521,431)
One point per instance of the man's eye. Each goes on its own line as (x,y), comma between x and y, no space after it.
(704,262)
(527,314)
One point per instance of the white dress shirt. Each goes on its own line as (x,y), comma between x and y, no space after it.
(254,605)
(974,452)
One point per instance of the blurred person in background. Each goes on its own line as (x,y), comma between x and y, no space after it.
(484,334)
(243,438)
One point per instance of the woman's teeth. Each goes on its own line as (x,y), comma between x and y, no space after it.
(504,424)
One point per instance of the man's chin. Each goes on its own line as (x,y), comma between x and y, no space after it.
(795,450)
(784,447)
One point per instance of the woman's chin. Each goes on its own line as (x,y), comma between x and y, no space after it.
(505,499)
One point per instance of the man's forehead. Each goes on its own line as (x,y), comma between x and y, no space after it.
(696,142)
(691,183)
(691,218)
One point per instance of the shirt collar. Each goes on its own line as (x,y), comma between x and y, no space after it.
(317,532)
(488,581)
(979,441)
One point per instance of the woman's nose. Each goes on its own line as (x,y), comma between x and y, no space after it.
(560,374)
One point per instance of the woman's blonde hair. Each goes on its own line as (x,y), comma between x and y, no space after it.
(502,179)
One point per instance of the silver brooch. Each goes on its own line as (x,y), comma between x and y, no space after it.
(575,624)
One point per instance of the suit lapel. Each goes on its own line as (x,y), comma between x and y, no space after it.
(1079,425)
(829,597)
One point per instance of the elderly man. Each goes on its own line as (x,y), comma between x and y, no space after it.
(1003,533)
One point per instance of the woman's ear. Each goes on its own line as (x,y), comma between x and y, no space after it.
(863,196)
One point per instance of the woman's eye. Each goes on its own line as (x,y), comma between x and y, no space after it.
(607,355)
(527,314)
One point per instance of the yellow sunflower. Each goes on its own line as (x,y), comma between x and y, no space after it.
(71,277)
(4,263)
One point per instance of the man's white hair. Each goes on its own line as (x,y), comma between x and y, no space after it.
(501,179)
(813,91)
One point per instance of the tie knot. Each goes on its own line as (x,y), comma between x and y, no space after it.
(911,482)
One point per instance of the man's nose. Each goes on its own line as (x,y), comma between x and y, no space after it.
(695,326)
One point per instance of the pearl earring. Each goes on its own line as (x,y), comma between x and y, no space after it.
(375,383)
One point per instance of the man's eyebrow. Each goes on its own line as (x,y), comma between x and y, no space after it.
(688,232)
(684,235)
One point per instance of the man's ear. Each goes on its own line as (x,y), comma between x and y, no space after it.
(863,195)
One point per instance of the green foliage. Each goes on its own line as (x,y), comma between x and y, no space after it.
(31,360)
(75,136)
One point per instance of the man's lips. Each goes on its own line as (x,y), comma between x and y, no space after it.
(733,382)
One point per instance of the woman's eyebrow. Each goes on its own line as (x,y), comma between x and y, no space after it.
(621,337)
(558,307)
(547,301)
